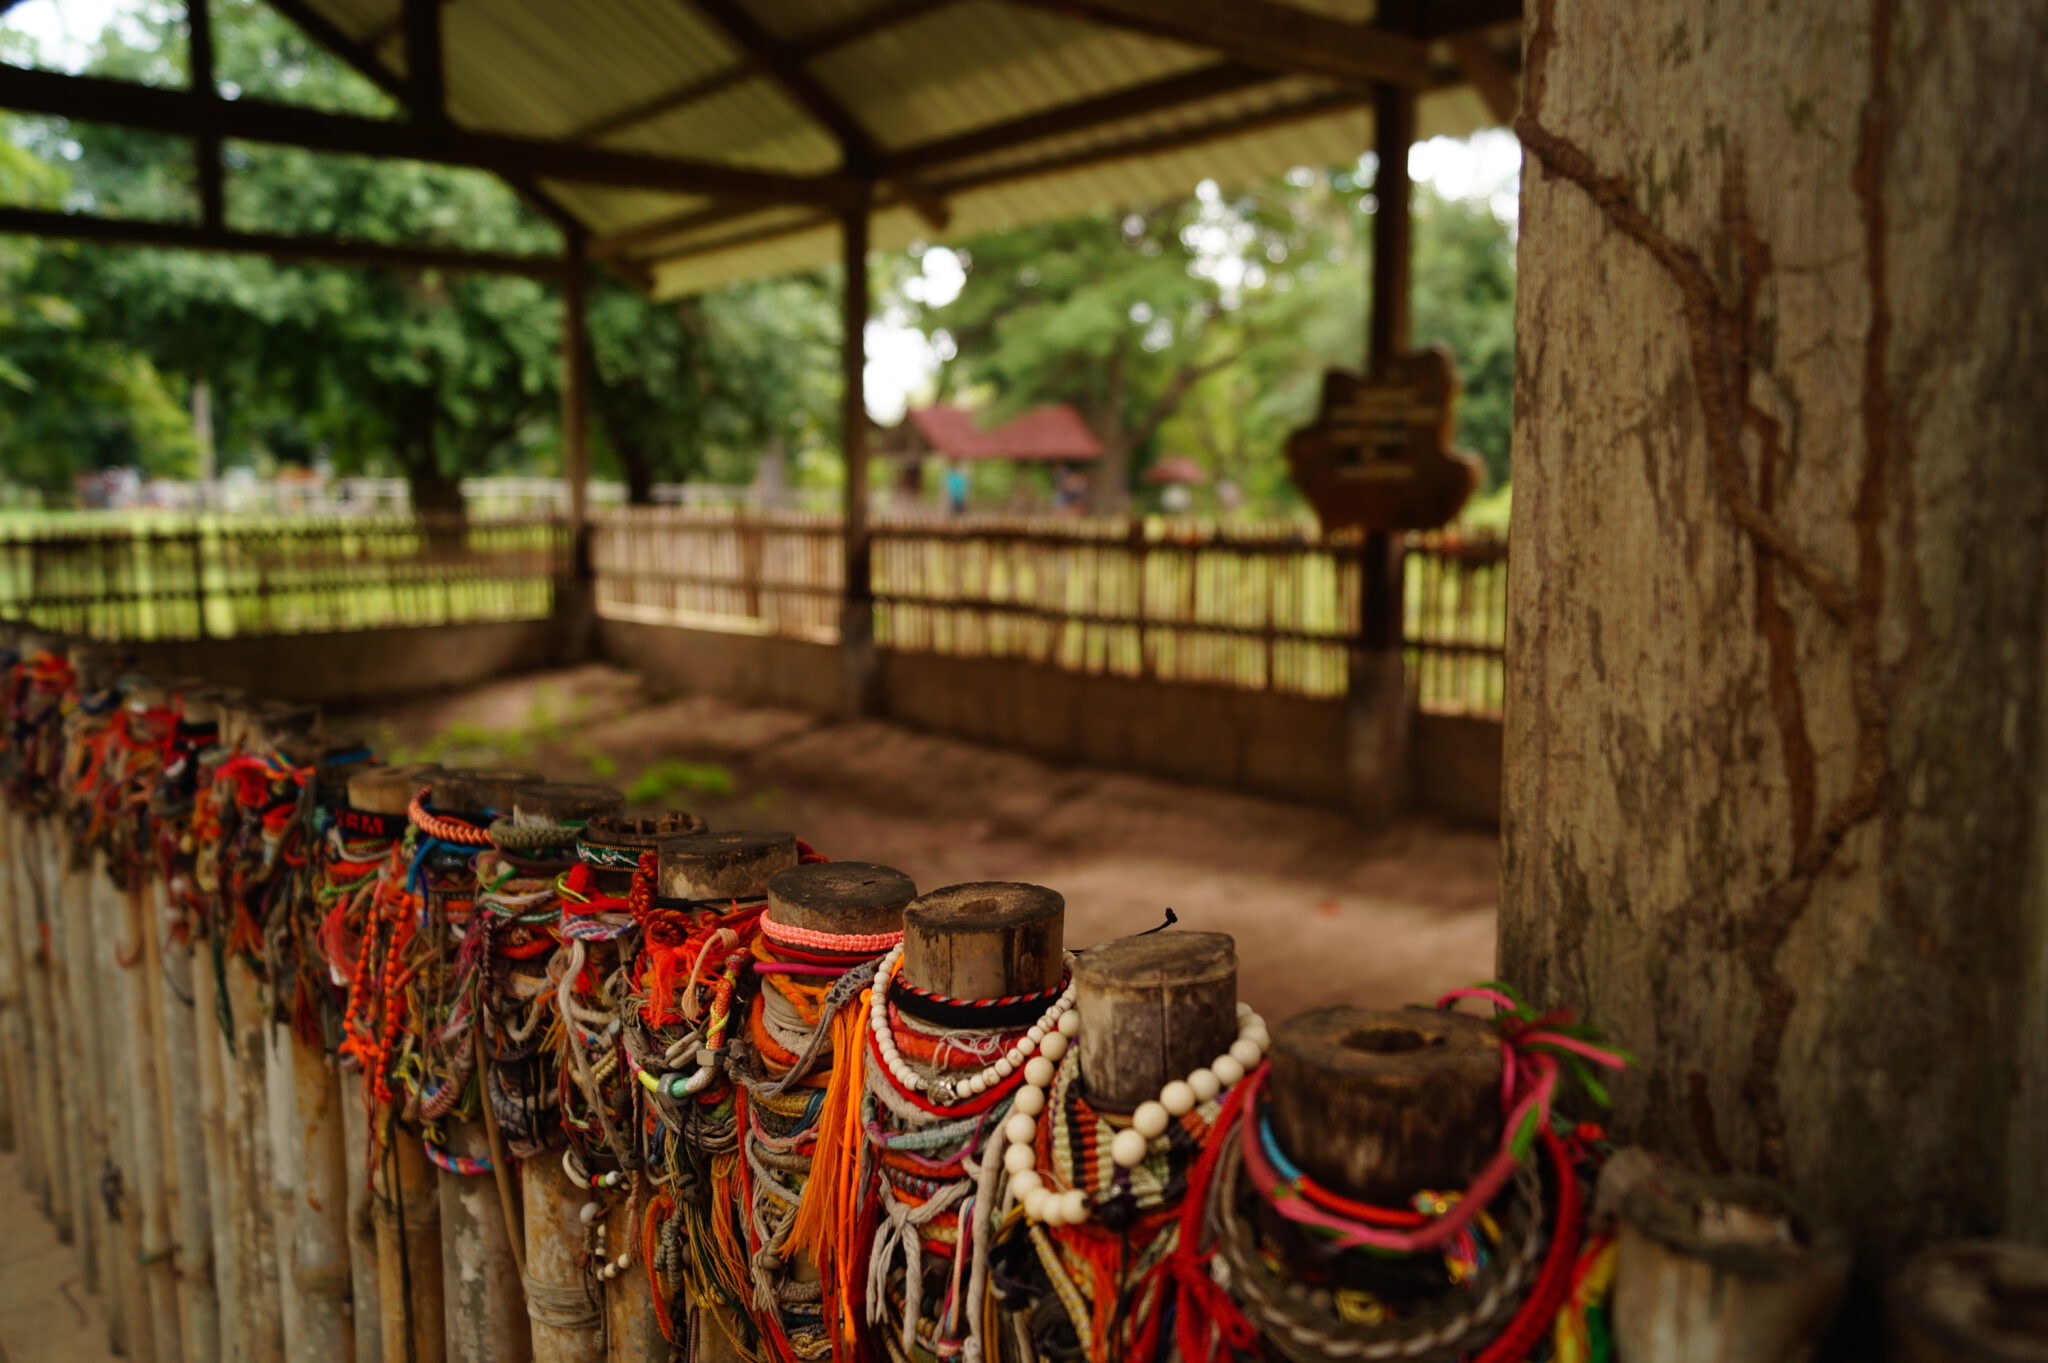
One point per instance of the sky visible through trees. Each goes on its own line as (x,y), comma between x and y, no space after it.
(1198,326)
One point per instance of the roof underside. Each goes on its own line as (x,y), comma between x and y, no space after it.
(1117,116)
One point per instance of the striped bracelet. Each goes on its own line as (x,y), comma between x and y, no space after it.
(855,943)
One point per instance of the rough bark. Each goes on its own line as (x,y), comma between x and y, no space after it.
(1777,811)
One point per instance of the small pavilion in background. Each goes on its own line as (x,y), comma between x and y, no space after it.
(1053,437)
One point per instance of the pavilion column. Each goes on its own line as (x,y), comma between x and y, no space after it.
(1776,810)
(577,610)
(1379,700)
(859,681)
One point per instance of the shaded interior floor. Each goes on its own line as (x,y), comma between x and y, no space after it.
(1324,910)
(46,1315)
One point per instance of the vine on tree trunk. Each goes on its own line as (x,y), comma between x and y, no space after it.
(1722,359)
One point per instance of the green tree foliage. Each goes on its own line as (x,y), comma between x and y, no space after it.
(1204,326)
(431,374)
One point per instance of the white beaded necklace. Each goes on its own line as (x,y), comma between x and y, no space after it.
(1048,1036)
(1133,1144)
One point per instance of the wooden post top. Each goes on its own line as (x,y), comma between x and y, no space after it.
(985,940)
(206,704)
(1973,1301)
(566,801)
(272,723)
(388,790)
(1382,1104)
(1154,1008)
(640,830)
(145,693)
(319,752)
(843,897)
(473,791)
(734,864)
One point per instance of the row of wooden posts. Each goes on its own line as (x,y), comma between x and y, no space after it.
(205,1156)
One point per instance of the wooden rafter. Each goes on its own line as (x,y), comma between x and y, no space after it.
(195,114)
(1489,75)
(859,154)
(1444,18)
(1265,33)
(426,75)
(364,61)
(1342,101)
(197,237)
(1135,101)
(803,49)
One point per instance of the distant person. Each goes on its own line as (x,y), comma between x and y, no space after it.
(1069,490)
(956,490)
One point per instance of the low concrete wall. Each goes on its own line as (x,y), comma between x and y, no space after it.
(1289,746)
(750,668)
(360,665)
(1292,747)
(1456,760)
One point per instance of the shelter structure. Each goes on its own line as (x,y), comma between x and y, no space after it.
(686,144)
(1053,435)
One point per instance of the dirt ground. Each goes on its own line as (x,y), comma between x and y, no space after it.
(1323,910)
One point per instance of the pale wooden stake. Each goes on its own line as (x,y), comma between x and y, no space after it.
(407,1208)
(714,868)
(1972,1301)
(365,1290)
(1720,1271)
(553,1230)
(1153,1008)
(309,1191)
(485,1301)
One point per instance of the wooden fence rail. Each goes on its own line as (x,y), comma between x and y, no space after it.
(221,579)
(1260,608)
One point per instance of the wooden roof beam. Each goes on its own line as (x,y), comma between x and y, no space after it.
(804,49)
(1447,18)
(196,237)
(1265,33)
(775,59)
(1135,101)
(195,114)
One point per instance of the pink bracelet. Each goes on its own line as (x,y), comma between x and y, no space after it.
(858,943)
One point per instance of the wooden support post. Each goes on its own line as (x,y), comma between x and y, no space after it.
(575,400)
(405,1203)
(1721,1271)
(15,1137)
(1972,1301)
(485,1299)
(858,665)
(1378,695)
(986,939)
(1378,1104)
(564,1309)
(1153,1008)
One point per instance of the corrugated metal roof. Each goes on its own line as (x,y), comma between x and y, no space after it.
(658,76)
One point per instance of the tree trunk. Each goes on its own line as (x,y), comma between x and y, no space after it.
(1777,809)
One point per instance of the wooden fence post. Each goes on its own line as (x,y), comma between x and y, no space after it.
(563,1308)
(485,1300)
(405,1206)
(1723,1270)
(1153,1008)
(735,864)
(1972,1301)
(309,1191)
(985,940)
(1378,1104)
